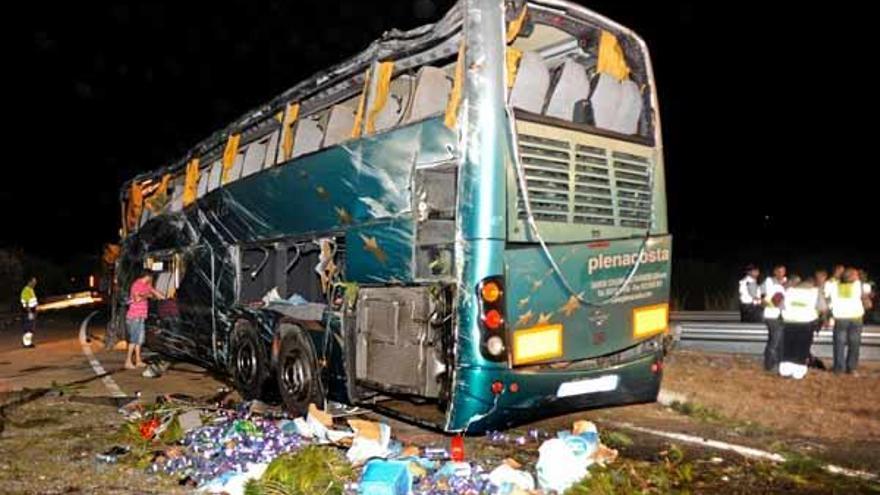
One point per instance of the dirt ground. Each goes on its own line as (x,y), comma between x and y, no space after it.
(822,405)
(56,416)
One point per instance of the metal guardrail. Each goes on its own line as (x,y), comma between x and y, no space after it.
(704,315)
(750,338)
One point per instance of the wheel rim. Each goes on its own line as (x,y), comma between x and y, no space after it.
(246,362)
(296,375)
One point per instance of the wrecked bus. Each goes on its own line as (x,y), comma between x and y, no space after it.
(463,226)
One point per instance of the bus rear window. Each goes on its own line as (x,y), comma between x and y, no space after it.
(579,74)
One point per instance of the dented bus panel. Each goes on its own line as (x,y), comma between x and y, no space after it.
(463,226)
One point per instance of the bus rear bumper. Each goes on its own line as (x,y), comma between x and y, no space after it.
(532,395)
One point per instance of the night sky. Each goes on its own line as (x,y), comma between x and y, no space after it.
(769,153)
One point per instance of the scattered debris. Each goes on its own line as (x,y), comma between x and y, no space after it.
(190,420)
(371,440)
(255,449)
(383,477)
(313,469)
(507,478)
(112,455)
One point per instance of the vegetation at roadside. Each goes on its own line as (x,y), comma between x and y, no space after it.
(707,414)
(676,472)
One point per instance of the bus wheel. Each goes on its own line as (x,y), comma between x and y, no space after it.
(249,361)
(298,377)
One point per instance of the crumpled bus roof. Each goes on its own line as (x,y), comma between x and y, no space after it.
(324,85)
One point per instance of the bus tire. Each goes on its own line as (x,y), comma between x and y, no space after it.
(298,377)
(249,361)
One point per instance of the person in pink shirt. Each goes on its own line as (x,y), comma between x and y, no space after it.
(141,291)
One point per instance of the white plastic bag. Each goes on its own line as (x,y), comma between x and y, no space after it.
(559,467)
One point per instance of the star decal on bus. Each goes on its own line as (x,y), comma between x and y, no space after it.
(372,247)
(343,215)
(525,318)
(572,305)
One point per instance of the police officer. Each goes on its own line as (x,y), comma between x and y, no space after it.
(750,310)
(847,309)
(773,292)
(800,314)
(29,306)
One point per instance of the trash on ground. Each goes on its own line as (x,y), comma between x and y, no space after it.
(371,440)
(313,469)
(320,416)
(456,448)
(255,448)
(112,455)
(506,479)
(190,420)
(383,477)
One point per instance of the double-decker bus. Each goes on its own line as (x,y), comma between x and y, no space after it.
(463,226)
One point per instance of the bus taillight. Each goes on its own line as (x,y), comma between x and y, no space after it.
(490,294)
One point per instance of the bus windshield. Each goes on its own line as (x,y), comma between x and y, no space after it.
(588,146)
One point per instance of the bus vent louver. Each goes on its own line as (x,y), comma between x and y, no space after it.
(585,185)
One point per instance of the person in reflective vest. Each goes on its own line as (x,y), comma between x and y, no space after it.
(831,286)
(750,306)
(847,309)
(821,278)
(800,314)
(773,291)
(29,307)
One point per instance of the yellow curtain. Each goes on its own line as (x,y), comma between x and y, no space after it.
(159,197)
(359,116)
(135,207)
(290,117)
(455,94)
(383,86)
(611,58)
(229,155)
(513,56)
(516,25)
(191,182)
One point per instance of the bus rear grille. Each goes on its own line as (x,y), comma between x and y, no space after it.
(585,185)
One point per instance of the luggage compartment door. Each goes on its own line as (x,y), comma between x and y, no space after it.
(397,347)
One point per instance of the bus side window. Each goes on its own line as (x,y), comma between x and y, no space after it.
(214,178)
(532,81)
(255,156)
(203,181)
(340,122)
(432,87)
(237,165)
(309,132)
(271,149)
(395,107)
(177,194)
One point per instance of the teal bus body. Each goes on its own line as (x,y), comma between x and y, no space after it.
(365,194)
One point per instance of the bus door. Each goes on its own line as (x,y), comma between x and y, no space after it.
(183,322)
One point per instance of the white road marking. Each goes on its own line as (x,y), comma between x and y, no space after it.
(111,385)
(740,449)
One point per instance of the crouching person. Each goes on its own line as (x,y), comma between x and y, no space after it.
(800,316)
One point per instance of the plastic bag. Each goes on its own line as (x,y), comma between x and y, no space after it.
(559,466)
